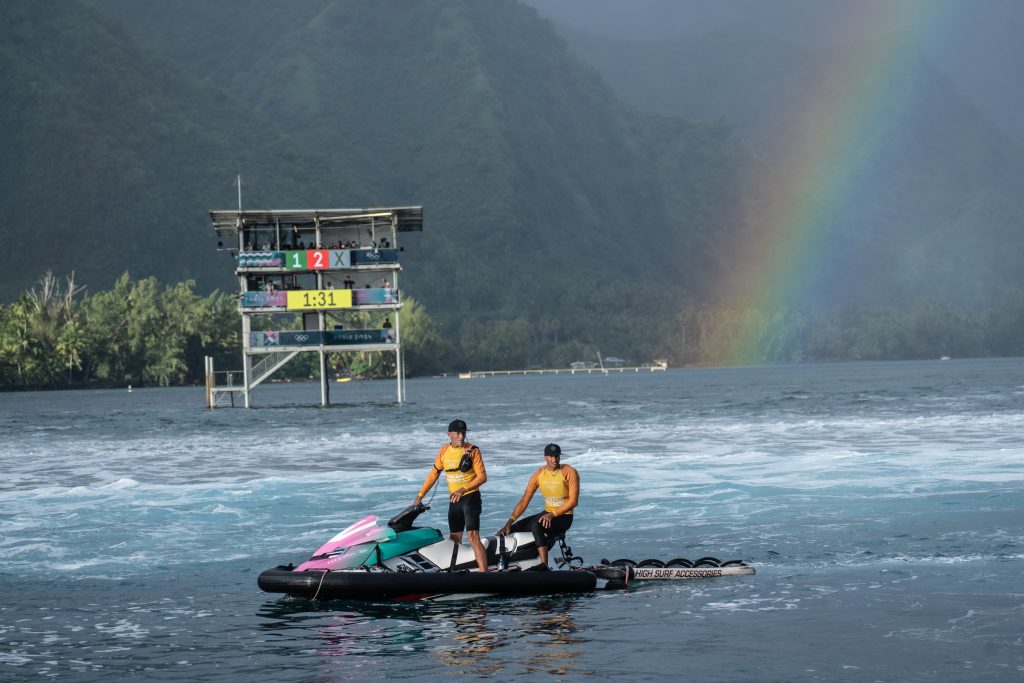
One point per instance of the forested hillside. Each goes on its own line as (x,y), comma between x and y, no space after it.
(547,200)
(562,214)
(536,179)
(112,155)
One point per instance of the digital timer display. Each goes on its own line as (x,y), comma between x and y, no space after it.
(315,299)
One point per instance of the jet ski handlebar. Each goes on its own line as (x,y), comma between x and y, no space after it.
(404,519)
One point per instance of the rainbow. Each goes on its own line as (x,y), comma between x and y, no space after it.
(823,161)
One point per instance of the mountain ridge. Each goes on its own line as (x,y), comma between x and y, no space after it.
(549,198)
(109,137)
(546,198)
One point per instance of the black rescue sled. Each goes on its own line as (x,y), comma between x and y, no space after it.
(401,562)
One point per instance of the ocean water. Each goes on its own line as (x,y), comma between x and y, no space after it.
(882,504)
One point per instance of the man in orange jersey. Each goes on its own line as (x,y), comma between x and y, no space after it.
(463,468)
(560,486)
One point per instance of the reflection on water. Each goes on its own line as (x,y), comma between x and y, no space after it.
(466,637)
(469,640)
(558,641)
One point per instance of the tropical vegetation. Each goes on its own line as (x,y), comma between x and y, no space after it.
(138,332)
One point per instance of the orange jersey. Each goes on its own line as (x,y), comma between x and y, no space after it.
(560,488)
(447,461)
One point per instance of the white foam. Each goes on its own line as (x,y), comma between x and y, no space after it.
(120,484)
(75,566)
(14,658)
(224,510)
(123,628)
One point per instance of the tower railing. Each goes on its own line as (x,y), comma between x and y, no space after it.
(270,364)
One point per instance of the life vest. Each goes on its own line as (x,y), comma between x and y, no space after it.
(451,459)
(554,488)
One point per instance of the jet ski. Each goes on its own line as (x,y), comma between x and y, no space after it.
(402,562)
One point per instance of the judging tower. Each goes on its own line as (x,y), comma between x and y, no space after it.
(337,269)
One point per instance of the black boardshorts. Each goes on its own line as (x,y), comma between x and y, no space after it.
(541,536)
(466,513)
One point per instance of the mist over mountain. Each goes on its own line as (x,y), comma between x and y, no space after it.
(984,59)
(810,21)
(939,216)
(584,190)
(977,45)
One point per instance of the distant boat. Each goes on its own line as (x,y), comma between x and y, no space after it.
(465,375)
(945,358)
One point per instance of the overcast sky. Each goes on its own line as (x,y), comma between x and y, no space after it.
(978,43)
(823,20)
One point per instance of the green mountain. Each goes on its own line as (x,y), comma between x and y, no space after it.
(113,155)
(543,193)
(554,210)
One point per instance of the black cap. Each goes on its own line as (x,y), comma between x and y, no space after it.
(457,426)
(552,449)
